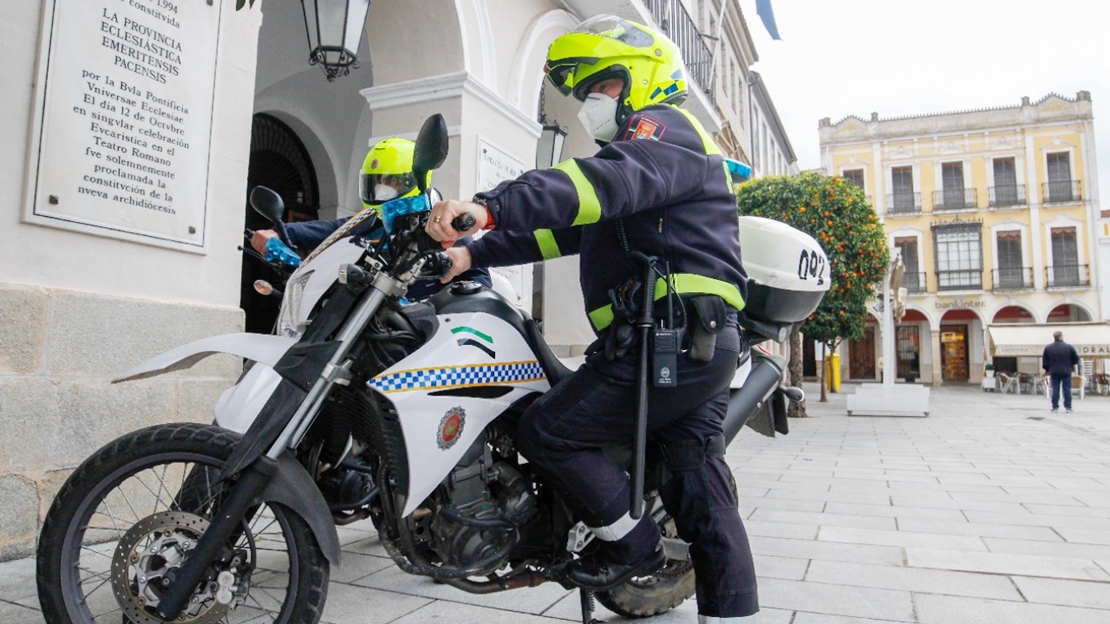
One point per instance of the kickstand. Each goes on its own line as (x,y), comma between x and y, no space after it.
(587,599)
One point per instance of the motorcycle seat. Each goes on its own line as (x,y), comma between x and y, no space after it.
(554,368)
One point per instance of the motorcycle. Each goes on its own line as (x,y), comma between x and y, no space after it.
(364,406)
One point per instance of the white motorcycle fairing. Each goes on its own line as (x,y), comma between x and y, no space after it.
(258,347)
(468,350)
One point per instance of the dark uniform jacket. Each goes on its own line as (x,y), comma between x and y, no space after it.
(308,234)
(1059,358)
(662,177)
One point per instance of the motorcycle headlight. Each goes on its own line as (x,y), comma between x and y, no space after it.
(289,319)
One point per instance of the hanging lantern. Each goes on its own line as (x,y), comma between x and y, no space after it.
(334,30)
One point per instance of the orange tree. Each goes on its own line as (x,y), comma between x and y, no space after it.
(836,213)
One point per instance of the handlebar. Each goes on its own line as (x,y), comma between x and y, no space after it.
(463,222)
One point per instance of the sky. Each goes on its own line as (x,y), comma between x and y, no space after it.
(901,57)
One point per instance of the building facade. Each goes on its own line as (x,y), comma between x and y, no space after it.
(111,257)
(993,212)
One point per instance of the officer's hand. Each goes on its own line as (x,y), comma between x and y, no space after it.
(259,238)
(460,262)
(443,213)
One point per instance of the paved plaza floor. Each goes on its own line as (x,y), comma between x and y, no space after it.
(990,510)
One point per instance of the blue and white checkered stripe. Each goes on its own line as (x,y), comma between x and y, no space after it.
(458,376)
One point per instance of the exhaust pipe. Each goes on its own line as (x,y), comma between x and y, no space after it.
(745,402)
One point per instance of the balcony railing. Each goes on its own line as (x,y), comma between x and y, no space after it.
(1063,275)
(677,24)
(971,279)
(1013,278)
(903,203)
(1064,191)
(955,200)
(1008,195)
(914,282)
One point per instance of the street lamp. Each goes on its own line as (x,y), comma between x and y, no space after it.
(549,151)
(334,30)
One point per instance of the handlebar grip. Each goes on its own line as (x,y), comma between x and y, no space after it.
(463,222)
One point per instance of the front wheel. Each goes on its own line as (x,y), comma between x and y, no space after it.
(131,514)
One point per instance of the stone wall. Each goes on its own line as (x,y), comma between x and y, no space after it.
(59,350)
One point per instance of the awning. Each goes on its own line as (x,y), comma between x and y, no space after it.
(1091,340)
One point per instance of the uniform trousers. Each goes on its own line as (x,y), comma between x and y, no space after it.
(563,433)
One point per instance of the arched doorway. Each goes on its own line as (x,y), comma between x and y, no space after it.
(1068,313)
(279,161)
(956,340)
(1012,314)
(862,352)
(908,345)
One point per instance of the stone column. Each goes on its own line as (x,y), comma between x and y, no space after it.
(938,377)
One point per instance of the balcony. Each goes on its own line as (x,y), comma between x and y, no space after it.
(1067,276)
(1008,195)
(958,199)
(903,203)
(1013,278)
(970,279)
(677,24)
(1062,191)
(914,282)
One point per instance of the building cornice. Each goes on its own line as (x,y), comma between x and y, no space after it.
(442,87)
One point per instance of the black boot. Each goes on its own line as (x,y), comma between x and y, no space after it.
(599,571)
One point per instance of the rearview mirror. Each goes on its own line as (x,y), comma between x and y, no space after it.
(431,149)
(267,203)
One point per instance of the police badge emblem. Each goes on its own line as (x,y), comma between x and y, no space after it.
(451,427)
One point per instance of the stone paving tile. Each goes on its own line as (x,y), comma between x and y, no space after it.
(827,551)
(934,609)
(913,488)
(1067,510)
(913,579)
(1068,593)
(780,567)
(992,563)
(16,614)
(862,498)
(17,579)
(1047,549)
(895,511)
(1085,536)
(456,613)
(781,529)
(368,546)
(900,538)
(534,600)
(981,529)
(355,566)
(945,501)
(823,519)
(1029,519)
(1020,495)
(843,600)
(348,603)
(820,618)
(789,504)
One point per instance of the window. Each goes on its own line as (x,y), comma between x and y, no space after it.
(755,137)
(914,280)
(952,182)
(959,256)
(1009,272)
(855,176)
(903,199)
(1005,190)
(908,350)
(1059,177)
(1065,258)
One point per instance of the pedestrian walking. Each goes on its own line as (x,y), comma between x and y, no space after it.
(1059,362)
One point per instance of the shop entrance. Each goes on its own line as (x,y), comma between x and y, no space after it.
(953,352)
(861,355)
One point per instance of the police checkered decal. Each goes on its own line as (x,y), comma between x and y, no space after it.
(458,376)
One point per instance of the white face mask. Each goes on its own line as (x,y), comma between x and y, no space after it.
(384,192)
(599,116)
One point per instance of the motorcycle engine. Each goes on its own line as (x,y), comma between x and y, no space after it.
(483,489)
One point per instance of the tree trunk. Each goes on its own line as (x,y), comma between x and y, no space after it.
(796,410)
(824,371)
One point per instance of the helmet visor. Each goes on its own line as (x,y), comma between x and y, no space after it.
(375,188)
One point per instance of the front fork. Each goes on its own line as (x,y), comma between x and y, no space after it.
(252,480)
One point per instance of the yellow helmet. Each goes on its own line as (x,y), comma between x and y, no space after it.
(387,172)
(606,46)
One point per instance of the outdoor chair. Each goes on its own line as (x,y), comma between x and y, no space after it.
(1007,383)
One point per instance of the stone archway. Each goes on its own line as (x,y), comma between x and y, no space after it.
(1013,314)
(1068,313)
(960,331)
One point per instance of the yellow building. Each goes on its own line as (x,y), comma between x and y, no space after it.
(992,211)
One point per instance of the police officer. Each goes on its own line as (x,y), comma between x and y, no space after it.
(386,174)
(658,187)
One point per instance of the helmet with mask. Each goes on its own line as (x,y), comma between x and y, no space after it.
(605,47)
(387,172)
